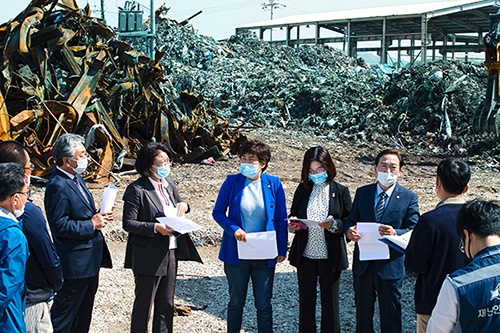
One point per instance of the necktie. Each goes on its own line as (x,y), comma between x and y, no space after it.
(80,188)
(379,208)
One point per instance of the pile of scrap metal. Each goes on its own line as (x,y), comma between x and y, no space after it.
(64,71)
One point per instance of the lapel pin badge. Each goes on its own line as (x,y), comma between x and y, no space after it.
(397,196)
(333,195)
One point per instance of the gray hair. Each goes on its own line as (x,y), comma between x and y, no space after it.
(65,147)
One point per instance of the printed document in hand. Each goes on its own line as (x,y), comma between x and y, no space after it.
(370,248)
(108,198)
(259,245)
(399,243)
(180,224)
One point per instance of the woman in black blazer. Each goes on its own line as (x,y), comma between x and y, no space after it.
(153,249)
(319,251)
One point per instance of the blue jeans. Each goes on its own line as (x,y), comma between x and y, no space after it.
(262,283)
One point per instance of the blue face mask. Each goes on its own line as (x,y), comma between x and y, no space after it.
(318,178)
(249,170)
(163,171)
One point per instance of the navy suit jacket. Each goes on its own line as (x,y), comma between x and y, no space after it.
(401,212)
(227,213)
(81,248)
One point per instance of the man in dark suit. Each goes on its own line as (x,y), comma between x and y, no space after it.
(75,225)
(396,210)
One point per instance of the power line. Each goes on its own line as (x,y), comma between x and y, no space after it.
(272,5)
(213,9)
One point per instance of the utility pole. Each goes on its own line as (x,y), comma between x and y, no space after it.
(102,12)
(272,5)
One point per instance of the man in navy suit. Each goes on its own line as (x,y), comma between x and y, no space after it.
(75,225)
(396,210)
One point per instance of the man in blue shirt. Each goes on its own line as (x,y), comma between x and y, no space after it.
(43,270)
(469,300)
(13,247)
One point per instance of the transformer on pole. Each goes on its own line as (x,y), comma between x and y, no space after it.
(272,5)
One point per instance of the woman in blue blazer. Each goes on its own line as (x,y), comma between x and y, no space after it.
(251,202)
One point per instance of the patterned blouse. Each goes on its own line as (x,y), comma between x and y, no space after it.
(317,209)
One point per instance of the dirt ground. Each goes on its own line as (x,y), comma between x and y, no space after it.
(199,185)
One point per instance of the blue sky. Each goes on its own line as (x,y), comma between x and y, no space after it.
(219,17)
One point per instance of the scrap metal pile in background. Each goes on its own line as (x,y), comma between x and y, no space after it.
(64,71)
(320,90)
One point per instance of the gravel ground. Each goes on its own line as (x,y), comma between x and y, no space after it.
(204,287)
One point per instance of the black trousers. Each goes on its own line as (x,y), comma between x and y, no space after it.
(366,289)
(158,291)
(72,307)
(308,272)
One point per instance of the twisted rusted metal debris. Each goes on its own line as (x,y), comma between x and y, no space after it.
(66,71)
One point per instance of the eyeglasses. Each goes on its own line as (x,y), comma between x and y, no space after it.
(27,193)
(30,167)
(461,247)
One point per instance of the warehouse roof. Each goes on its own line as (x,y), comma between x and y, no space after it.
(462,16)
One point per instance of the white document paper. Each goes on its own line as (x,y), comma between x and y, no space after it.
(401,240)
(108,198)
(370,248)
(179,224)
(259,245)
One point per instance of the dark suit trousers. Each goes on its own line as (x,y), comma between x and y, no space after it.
(72,307)
(308,272)
(158,291)
(366,289)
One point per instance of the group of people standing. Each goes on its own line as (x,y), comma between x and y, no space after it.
(444,240)
(34,270)
(37,268)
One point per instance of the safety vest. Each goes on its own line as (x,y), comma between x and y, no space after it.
(478,291)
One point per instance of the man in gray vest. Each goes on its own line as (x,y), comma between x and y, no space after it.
(469,300)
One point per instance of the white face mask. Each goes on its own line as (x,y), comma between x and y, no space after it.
(82,165)
(18,212)
(387,179)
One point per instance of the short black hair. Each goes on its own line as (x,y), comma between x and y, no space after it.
(321,155)
(12,151)
(390,152)
(11,179)
(258,148)
(147,155)
(480,217)
(454,175)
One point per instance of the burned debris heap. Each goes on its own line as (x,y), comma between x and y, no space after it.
(65,71)
(320,90)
